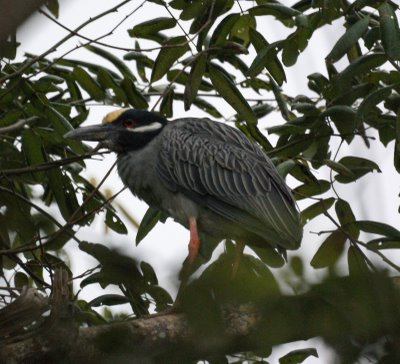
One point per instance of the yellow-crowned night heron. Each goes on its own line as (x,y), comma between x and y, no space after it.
(206,175)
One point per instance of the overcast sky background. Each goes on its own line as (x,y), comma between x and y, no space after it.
(165,247)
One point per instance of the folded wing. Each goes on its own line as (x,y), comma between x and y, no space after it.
(218,164)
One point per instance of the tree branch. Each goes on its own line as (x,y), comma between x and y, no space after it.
(18,124)
(20,70)
(349,313)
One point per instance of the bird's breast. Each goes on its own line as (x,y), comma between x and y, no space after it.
(137,171)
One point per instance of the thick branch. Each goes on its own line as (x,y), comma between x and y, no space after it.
(172,335)
(37,339)
(348,313)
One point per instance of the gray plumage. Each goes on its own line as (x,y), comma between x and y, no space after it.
(208,170)
(206,175)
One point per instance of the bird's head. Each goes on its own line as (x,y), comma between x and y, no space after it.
(122,130)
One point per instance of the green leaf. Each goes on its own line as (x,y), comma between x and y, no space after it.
(32,147)
(263,58)
(64,193)
(96,278)
(192,9)
(316,209)
(21,280)
(269,256)
(206,14)
(151,27)
(344,118)
(266,57)
(348,39)
(350,94)
(135,98)
(262,110)
(207,107)
(240,29)
(60,123)
(139,57)
(357,262)
(150,219)
(287,129)
(106,80)
(285,167)
(148,273)
(298,144)
(116,61)
(166,108)
(53,261)
(373,99)
(339,168)
(53,7)
(290,52)
(280,12)
(396,156)
(171,50)
(92,67)
(227,89)
(161,297)
(384,243)
(330,250)
(344,111)
(346,218)
(223,29)
(182,77)
(390,31)
(62,126)
(88,84)
(76,94)
(108,300)
(8,47)
(281,100)
(114,222)
(361,66)
(194,79)
(298,356)
(317,82)
(158,2)
(358,166)
(380,228)
(311,188)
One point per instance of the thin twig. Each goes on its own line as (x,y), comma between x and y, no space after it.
(91,195)
(32,246)
(62,41)
(180,26)
(77,34)
(18,124)
(48,165)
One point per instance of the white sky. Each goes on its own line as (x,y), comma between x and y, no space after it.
(374,197)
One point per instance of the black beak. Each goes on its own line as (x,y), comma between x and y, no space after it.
(95,133)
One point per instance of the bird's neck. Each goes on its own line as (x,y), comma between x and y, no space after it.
(133,141)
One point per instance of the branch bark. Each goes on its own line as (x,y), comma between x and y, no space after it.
(348,313)
(26,336)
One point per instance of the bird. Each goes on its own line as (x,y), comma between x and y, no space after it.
(206,175)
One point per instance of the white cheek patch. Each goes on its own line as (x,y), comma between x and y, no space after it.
(145,128)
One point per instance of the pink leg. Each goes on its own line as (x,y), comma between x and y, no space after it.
(194,242)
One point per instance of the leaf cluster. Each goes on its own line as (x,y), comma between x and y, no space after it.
(199,54)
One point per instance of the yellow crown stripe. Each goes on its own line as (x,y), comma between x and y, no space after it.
(113,115)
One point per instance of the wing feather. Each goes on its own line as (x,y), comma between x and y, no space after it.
(218,164)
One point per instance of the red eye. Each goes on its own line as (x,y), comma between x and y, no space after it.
(129,124)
